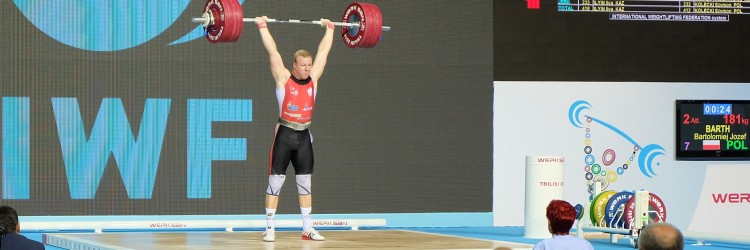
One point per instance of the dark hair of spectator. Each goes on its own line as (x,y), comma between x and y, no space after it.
(8,219)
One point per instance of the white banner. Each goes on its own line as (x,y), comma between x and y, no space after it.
(620,133)
(724,204)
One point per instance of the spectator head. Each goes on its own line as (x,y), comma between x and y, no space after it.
(560,217)
(660,236)
(8,219)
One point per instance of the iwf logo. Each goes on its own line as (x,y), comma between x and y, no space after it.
(106,25)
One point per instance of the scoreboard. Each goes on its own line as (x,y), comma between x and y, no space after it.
(660,10)
(712,129)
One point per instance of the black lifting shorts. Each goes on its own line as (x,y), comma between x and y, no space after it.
(291,146)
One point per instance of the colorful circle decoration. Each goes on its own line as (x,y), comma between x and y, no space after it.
(596,169)
(608,157)
(611,176)
(589,159)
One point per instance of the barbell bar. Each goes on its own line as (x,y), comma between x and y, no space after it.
(361,26)
(208,22)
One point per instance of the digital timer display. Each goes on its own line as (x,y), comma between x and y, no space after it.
(717,109)
(712,129)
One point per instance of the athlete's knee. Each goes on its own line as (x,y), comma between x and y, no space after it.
(304,182)
(274,184)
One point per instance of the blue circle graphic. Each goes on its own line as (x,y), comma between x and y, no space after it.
(106,25)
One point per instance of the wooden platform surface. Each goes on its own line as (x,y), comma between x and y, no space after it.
(361,239)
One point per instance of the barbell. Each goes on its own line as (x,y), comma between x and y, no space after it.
(361,25)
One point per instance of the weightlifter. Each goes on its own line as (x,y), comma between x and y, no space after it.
(295,93)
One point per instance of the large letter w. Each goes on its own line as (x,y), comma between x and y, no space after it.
(85,159)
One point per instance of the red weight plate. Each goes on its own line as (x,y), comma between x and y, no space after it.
(229,24)
(352,36)
(216,30)
(371,20)
(360,36)
(233,20)
(375,25)
(227,20)
(654,204)
(240,22)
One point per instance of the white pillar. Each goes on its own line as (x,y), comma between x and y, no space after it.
(544,182)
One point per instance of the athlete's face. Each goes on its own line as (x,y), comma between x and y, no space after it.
(302,66)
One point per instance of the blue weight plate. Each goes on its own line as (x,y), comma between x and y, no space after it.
(616,204)
(579,211)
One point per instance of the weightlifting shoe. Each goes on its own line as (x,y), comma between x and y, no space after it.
(269,236)
(312,234)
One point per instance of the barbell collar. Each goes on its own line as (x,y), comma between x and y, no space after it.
(207,20)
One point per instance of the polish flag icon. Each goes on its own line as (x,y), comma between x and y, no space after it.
(532,4)
(711,145)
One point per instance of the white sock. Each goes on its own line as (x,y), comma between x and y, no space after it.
(306,218)
(270,213)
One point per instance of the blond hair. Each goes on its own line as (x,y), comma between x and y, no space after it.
(301,53)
